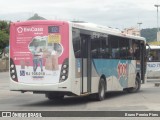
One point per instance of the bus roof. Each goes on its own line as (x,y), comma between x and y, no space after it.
(83,25)
(34,22)
(104,29)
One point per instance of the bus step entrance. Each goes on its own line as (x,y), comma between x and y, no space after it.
(85,94)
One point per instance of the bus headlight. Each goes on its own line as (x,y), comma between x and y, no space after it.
(64,71)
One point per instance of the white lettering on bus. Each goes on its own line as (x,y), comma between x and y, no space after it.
(29,29)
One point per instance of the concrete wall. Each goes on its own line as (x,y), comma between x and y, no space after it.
(4,65)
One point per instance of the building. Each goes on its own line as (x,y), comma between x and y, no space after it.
(132,31)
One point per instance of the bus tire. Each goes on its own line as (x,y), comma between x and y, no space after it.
(137,86)
(101,90)
(54,97)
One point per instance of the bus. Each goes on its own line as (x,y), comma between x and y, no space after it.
(153,62)
(63,58)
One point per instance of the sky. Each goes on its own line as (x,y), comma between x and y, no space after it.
(113,13)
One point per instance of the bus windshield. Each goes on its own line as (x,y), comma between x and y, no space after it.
(154,54)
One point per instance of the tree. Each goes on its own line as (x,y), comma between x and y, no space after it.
(4,39)
(4,34)
(36,17)
(149,33)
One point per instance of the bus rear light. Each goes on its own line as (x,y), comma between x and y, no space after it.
(13,76)
(12,66)
(63,77)
(64,66)
(13,73)
(64,71)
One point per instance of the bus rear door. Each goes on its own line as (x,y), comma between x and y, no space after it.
(86,63)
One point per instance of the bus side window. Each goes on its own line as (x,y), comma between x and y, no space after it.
(124,48)
(114,41)
(76,43)
(94,47)
(105,48)
(136,49)
(130,50)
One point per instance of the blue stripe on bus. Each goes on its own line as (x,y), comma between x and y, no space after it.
(110,68)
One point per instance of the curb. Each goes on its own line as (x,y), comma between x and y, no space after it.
(157,84)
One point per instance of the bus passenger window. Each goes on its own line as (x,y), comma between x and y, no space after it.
(105,48)
(136,50)
(95,45)
(114,41)
(76,44)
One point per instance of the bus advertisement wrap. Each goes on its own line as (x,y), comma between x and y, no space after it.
(39,53)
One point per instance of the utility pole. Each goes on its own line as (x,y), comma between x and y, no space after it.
(157,17)
(139,23)
(158,35)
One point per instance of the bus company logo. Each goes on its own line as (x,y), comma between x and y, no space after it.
(122,70)
(19,29)
(29,29)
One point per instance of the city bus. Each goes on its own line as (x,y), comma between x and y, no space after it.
(153,62)
(63,58)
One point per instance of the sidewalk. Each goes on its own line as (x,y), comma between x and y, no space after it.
(4,73)
(4,76)
(153,80)
(151,83)
(4,65)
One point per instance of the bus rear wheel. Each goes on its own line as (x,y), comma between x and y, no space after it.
(101,90)
(137,86)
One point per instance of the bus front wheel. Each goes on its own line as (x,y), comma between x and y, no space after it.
(137,86)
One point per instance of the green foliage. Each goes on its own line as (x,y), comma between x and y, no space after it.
(4,26)
(36,17)
(4,34)
(150,34)
(4,39)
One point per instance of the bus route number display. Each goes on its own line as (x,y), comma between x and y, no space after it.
(53,29)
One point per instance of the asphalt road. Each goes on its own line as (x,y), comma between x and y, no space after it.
(147,99)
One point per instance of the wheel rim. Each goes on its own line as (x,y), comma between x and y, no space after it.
(102,91)
(136,85)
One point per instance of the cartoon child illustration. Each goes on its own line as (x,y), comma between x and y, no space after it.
(37,57)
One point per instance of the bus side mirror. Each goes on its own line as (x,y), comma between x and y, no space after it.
(147,51)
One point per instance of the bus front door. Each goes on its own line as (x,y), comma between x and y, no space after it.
(143,61)
(86,64)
